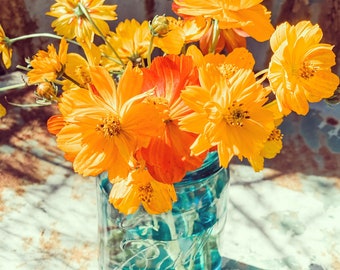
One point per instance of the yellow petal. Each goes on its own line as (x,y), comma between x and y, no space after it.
(2,111)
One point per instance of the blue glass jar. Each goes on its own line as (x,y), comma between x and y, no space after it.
(184,238)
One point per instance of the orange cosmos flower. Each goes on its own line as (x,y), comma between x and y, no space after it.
(246,18)
(105,125)
(131,42)
(48,66)
(300,68)
(5,49)
(140,188)
(168,156)
(72,18)
(228,113)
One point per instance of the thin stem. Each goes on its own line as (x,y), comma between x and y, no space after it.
(22,68)
(35,35)
(150,50)
(71,79)
(87,15)
(110,58)
(29,105)
(215,36)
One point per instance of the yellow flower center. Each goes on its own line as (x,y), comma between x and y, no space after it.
(145,193)
(162,106)
(84,74)
(236,115)
(157,100)
(136,59)
(307,70)
(110,126)
(227,70)
(276,135)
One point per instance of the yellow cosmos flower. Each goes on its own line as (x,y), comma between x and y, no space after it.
(194,28)
(131,42)
(300,68)
(72,18)
(139,188)
(273,144)
(77,67)
(105,125)
(248,16)
(48,66)
(228,113)
(239,58)
(77,70)
(5,49)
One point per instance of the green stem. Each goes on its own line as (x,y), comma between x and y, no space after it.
(150,51)
(72,80)
(215,36)
(13,86)
(23,68)
(87,15)
(29,105)
(35,35)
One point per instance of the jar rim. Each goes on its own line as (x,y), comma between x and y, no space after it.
(210,166)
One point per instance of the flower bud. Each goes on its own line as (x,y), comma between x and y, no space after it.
(159,26)
(46,90)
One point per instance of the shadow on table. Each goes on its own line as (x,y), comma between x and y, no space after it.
(229,264)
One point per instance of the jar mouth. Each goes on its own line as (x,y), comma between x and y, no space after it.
(210,166)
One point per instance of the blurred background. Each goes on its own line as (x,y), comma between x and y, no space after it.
(20,17)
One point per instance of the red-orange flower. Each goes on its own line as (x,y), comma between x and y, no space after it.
(168,156)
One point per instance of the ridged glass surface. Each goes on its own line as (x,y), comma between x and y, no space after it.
(184,238)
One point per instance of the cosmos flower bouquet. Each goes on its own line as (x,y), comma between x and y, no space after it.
(147,101)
